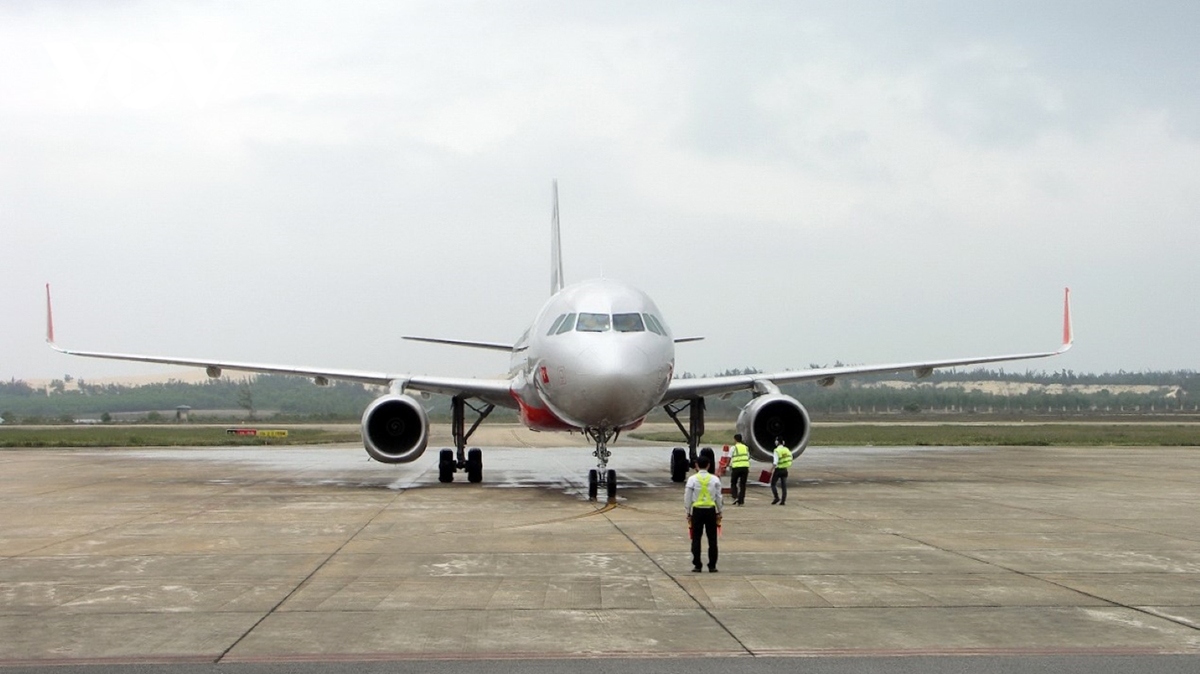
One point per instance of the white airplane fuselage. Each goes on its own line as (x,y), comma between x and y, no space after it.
(598,355)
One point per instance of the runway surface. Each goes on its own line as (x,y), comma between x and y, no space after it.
(319,559)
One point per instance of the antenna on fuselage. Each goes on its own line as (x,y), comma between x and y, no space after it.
(556,270)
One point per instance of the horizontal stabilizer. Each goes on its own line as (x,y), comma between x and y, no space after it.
(463,342)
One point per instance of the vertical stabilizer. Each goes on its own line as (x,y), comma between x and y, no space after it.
(556,270)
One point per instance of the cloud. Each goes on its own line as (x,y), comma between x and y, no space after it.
(832,181)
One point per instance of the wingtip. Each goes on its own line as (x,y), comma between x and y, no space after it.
(49,318)
(1068,332)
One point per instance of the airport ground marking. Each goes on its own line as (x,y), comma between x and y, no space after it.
(305,581)
(678,584)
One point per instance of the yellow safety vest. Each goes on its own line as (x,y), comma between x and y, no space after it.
(740,457)
(785,457)
(703,498)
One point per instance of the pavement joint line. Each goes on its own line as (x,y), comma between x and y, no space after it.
(683,589)
(1035,577)
(199,509)
(1032,576)
(307,578)
(1023,574)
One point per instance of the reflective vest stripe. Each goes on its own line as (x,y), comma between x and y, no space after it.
(703,498)
(785,457)
(740,457)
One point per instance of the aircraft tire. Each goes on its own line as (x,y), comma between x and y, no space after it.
(611,485)
(712,458)
(446,465)
(593,484)
(679,464)
(475,465)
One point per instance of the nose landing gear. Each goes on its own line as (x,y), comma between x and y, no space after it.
(601,474)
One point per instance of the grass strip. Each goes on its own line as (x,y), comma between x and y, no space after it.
(1024,435)
(164,436)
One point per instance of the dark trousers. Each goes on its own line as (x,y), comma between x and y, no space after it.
(779,477)
(737,483)
(704,522)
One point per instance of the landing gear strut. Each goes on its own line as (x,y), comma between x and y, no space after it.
(601,475)
(471,460)
(680,463)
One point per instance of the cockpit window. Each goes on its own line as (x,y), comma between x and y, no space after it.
(557,322)
(593,323)
(628,323)
(651,325)
(568,322)
(655,326)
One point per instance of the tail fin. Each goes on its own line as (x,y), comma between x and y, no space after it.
(556,270)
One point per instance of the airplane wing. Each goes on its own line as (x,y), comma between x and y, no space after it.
(680,389)
(495,391)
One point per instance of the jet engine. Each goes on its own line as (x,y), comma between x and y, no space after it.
(772,416)
(395,429)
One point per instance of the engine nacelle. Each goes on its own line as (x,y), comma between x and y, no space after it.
(772,416)
(395,429)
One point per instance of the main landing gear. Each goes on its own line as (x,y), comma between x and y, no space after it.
(682,461)
(601,474)
(471,460)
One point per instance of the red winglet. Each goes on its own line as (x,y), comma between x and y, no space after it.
(49,317)
(1067,336)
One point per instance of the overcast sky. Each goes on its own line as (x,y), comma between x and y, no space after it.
(799,182)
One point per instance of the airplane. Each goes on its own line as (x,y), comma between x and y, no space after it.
(598,358)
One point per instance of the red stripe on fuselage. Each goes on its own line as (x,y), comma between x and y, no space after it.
(539,418)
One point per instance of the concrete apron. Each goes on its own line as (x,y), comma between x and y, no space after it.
(316,553)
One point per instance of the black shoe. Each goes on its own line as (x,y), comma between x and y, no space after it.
(712,569)
(697,569)
(775,501)
(783,503)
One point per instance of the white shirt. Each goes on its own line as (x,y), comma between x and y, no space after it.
(692,490)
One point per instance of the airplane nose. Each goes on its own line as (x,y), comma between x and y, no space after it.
(610,387)
(618,385)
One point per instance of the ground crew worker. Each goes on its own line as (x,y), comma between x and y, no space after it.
(782,461)
(702,499)
(739,470)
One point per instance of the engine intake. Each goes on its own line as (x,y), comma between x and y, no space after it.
(395,429)
(772,416)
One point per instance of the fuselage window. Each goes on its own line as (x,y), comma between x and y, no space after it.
(628,323)
(567,324)
(557,322)
(593,323)
(652,325)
